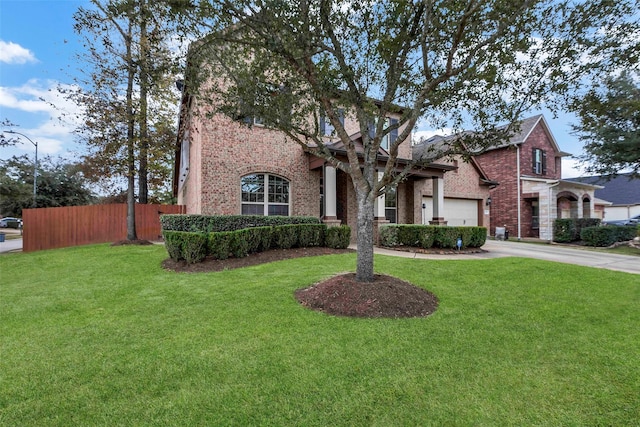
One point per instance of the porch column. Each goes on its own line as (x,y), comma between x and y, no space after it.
(438,202)
(380,217)
(330,198)
(379,204)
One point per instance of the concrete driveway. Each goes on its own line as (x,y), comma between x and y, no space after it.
(579,256)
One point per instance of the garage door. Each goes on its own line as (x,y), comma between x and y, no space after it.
(456,211)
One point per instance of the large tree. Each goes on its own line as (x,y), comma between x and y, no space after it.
(451,63)
(125,94)
(610,125)
(60,183)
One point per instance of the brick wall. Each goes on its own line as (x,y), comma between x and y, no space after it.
(501,165)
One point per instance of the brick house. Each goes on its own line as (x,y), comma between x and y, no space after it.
(531,194)
(224,167)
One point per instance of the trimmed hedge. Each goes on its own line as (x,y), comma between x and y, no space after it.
(216,223)
(565,231)
(195,246)
(569,230)
(338,237)
(607,235)
(428,236)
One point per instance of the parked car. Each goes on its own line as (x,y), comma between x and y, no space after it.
(634,220)
(4,222)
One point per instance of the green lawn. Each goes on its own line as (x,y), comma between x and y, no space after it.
(101,335)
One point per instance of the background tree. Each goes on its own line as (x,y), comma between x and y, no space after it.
(452,63)
(610,125)
(126,96)
(59,184)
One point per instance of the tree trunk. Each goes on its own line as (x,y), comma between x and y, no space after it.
(364,267)
(131,160)
(143,187)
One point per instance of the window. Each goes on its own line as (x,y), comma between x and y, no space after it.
(539,161)
(326,128)
(535,215)
(184,158)
(390,205)
(391,136)
(264,194)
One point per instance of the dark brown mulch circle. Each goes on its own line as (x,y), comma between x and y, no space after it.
(341,295)
(386,296)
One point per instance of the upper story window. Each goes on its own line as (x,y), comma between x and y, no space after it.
(326,128)
(264,194)
(389,138)
(539,161)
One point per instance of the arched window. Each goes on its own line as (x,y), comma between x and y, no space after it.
(264,194)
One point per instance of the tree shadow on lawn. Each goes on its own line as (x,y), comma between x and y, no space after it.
(341,295)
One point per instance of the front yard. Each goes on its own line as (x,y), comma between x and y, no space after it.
(102,335)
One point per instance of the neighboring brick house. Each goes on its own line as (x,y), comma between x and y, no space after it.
(620,195)
(531,194)
(225,167)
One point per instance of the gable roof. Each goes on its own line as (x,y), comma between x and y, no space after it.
(619,190)
(520,137)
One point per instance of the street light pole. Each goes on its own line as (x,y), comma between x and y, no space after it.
(35,166)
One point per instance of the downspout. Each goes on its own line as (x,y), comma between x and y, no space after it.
(549,228)
(518,186)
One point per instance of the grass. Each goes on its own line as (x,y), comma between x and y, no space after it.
(101,335)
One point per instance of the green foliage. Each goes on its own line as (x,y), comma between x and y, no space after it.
(173,243)
(582,223)
(310,235)
(389,236)
(220,244)
(609,125)
(427,236)
(184,245)
(607,235)
(216,223)
(338,237)
(285,236)
(565,230)
(58,184)
(194,247)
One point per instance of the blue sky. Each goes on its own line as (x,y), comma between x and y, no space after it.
(37,48)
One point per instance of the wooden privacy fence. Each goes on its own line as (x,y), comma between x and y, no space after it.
(48,228)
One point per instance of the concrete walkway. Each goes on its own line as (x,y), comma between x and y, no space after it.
(548,252)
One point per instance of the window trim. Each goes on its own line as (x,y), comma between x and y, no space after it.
(265,203)
(539,161)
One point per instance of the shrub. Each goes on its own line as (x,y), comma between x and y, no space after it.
(194,247)
(285,236)
(310,234)
(582,223)
(219,244)
(238,243)
(478,237)
(564,230)
(427,236)
(409,235)
(338,237)
(607,235)
(446,237)
(389,236)
(216,223)
(173,244)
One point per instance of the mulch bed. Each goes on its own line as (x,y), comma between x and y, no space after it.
(340,295)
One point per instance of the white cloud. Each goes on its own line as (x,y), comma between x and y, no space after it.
(12,53)
(421,135)
(43,114)
(571,168)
